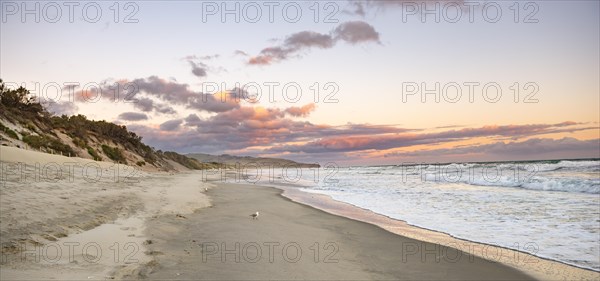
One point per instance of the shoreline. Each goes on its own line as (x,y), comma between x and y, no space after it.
(539,267)
(224,242)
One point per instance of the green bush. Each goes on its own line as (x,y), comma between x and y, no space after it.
(31,127)
(79,142)
(34,141)
(9,132)
(114,154)
(93,153)
(46,142)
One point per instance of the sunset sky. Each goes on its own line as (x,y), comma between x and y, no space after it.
(364,58)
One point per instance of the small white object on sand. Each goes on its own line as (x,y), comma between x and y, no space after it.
(255,216)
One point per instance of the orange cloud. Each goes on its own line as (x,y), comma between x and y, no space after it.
(301,111)
(260,60)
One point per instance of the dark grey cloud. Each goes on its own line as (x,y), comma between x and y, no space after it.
(171,125)
(535,148)
(163,108)
(192,120)
(132,116)
(61,108)
(147,105)
(240,52)
(198,69)
(144,104)
(165,93)
(353,32)
(307,39)
(179,94)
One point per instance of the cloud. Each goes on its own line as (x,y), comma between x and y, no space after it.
(192,120)
(264,131)
(132,116)
(171,125)
(128,91)
(70,87)
(232,126)
(144,104)
(353,32)
(361,7)
(388,141)
(538,146)
(415,10)
(180,94)
(300,111)
(195,57)
(261,60)
(535,148)
(61,108)
(147,105)
(307,39)
(250,126)
(358,8)
(157,94)
(448,127)
(198,69)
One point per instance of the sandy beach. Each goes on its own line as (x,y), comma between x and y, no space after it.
(161,226)
(77,219)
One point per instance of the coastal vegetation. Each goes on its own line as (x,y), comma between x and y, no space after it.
(42,131)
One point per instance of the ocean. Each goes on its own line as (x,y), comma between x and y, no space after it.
(550,209)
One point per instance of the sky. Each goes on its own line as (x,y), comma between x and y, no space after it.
(350,82)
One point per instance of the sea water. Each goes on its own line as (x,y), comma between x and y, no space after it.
(546,208)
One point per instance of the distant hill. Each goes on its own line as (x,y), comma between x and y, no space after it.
(25,123)
(230,160)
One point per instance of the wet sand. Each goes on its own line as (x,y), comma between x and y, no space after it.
(291,241)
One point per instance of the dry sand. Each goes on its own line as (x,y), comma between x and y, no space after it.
(83,223)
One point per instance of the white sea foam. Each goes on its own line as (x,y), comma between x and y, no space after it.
(549,209)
